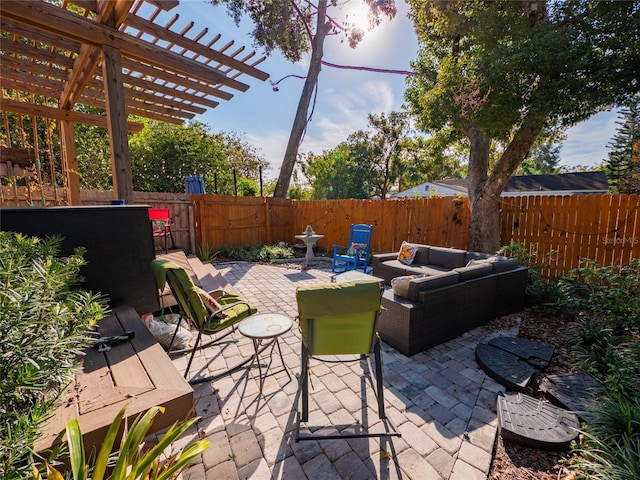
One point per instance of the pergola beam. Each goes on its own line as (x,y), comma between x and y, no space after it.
(53,19)
(44,111)
(99,55)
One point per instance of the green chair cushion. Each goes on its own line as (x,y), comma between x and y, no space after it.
(193,307)
(338,318)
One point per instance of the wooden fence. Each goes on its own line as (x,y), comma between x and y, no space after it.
(560,230)
(567,229)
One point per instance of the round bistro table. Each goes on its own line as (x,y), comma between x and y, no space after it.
(260,327)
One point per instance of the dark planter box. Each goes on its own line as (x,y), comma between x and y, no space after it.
(118,242)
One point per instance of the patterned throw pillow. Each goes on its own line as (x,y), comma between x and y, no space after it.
(354,246)
(407,253)
(210,303)
(158,226)
(400,285)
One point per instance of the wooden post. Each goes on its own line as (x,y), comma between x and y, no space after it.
(70,162)
(117,120)
(192,233)
(267,220)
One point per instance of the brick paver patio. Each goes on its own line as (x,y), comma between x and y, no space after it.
(441,402)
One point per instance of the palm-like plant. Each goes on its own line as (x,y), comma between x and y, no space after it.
(132,461)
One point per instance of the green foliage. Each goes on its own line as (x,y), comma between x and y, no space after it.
(163,154)
(132,459)
(371,163)
(247,188)
(541,289)
(336,174)
(542,159)
(299,192)
(504,72)
(608,355)
(607,344)
(610,292)
(207,253)
(44,322)
(266,253)
(623,165)
(611,449)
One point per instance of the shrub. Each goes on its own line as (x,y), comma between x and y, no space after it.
(611,449)
(266,253)
(541,289)
(44,322)
(611,293)
(133,459)
(607,344)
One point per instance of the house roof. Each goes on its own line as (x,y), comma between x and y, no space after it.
(555,184)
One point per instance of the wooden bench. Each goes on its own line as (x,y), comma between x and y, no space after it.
(137,373)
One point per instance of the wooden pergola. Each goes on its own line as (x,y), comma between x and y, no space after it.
(114,55)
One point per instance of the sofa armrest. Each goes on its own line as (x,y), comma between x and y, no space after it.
(383,257)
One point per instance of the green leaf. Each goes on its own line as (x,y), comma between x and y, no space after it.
(173,433)
(76,450)
(132,440)
(187,455)
(107,445)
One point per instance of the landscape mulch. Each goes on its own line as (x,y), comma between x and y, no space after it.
(515,462)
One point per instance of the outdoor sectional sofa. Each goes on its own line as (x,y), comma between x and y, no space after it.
(456,291)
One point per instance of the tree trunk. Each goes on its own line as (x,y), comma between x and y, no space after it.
(485,190)
(485,215)
(300,121)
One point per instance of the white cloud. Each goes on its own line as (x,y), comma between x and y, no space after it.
(587,141)
(339,113)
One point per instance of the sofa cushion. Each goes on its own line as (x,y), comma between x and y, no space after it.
(447,257)
(422,255)
(400,285)
(407,253)
(504,264)
(416,269)
(474,271)
(430,283)
(476,256)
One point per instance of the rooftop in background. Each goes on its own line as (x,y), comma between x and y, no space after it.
(579,183)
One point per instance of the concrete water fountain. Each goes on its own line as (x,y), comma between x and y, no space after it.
(309,238)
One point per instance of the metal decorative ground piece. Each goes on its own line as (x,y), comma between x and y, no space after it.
(578,392)
(534,423)
(535,353)
(503,367)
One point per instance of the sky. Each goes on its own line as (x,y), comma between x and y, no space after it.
(345,97)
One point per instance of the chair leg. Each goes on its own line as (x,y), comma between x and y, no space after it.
(193,354)
(173,243)
(379,387)
(304,379)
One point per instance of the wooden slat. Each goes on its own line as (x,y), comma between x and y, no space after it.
(57,114)
(150,28)
(53,19)
(166,387)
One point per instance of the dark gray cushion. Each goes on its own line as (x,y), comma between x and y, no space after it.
(422,255)
(504,265)
(474,271)
(447,257)
(429,283)
(426,270)
(476,256)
